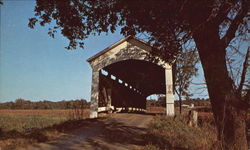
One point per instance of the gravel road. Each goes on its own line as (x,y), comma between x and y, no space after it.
(115,132)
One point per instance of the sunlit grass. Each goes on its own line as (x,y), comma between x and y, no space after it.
(25,120)
(23,123)
(174,133)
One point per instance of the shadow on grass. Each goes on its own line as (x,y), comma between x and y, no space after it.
(12,139)
(36,133)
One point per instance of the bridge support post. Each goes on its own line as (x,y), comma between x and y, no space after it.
(109,98)
(169,91)
(94,94)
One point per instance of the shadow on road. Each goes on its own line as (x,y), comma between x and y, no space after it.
(118,131)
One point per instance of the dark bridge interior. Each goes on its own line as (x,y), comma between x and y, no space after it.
(128,83)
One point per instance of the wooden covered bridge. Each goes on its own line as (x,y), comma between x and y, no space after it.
(123,76)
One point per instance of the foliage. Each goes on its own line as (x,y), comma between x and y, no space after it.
(174,133)
(151,147)
(161,102)
(167,24)
(196,102)
(185,69)
(26,104)
(77,20)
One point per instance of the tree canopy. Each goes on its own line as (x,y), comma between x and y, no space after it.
(166,23)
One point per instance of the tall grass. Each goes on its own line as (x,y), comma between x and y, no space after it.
(25,120)
(22,123)
(173,133)
(23,127)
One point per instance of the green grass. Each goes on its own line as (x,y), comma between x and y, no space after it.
(22,123)
(19,128)
(174,133)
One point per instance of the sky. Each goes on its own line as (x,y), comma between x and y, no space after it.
(35,67)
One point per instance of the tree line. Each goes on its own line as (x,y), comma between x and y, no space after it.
(161,102)
(27,104)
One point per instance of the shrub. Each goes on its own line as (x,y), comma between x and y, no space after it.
(151,147)
(174,133)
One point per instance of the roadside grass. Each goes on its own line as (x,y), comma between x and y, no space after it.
(24,127)
(23,123)
(173,133)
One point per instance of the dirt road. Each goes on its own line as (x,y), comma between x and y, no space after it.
(116,132)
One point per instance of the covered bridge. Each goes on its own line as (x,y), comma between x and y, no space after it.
(123,76)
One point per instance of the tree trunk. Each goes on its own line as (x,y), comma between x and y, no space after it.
(229,114)
(180,103)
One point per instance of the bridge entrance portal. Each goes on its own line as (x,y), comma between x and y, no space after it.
(123,76)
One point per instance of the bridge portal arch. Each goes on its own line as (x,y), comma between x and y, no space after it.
(123,75)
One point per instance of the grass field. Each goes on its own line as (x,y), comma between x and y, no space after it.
(25,120)
(24,127)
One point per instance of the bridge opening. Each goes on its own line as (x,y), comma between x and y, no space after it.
(125,85)
(156,104)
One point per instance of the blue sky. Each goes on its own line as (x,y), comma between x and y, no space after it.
(36,67)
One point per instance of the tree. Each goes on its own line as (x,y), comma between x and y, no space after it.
(185,69)
(168,24)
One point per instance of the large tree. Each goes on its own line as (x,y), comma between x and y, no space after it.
(211,24)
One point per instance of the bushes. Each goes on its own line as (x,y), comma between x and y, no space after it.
(174,133)
(26,104)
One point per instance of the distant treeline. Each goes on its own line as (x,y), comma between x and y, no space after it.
(162,102)
(196,102)
(26,104)
(82,104)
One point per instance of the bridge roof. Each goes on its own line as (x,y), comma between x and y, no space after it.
(116,44)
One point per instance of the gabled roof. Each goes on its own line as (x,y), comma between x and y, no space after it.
(116,44)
